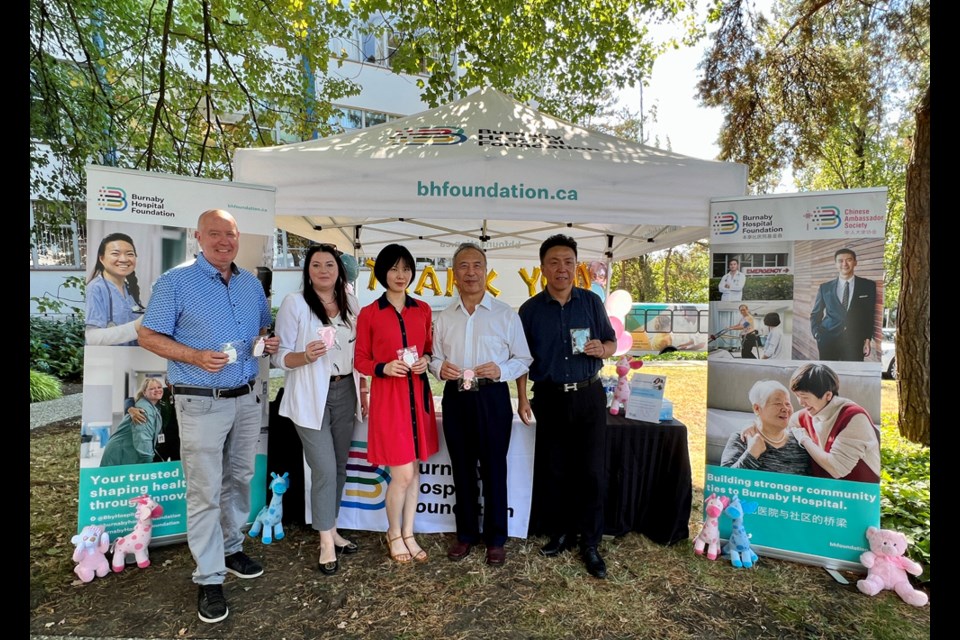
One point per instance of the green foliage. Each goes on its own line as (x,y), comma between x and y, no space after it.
(675,355)
(178,87)
(48,303)
(673,275)
(778,287)
(56,347)
(905,489)
(174,87)
(44,386)
(566,55)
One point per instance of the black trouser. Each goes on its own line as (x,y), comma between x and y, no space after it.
(476,426)
(569,471)
(747,344)
(840,347)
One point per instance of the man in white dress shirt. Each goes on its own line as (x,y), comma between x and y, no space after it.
(478,347)
(732,282)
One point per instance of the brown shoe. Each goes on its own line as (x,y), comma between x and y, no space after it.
(496,556)
(459,550)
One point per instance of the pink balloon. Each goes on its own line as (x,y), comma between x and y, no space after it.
(617,325)
(624,343)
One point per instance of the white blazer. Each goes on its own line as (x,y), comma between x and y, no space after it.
(306,387)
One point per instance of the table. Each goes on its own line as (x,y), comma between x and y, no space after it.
(649,482)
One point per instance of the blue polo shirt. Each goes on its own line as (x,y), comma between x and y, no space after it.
(194,306)
(547,326)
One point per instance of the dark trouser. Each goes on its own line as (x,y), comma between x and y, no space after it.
(476,426)
(841,348)
(569,470)
(747,345)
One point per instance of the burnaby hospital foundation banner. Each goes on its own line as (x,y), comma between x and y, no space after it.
(794,357)
(139,225)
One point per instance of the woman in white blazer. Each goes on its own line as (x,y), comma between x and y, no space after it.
(323,394)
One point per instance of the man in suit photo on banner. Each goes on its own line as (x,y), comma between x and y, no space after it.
(844,314)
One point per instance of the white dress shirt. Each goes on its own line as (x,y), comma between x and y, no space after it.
(492,333)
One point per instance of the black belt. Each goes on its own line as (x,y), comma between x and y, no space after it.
(340,377)
(482,382)
(572,386)
(211,392)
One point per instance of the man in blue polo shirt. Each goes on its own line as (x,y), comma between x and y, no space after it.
(205,318)
(569,335)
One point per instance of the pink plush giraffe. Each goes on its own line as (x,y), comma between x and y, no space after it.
(138,540)
(709,535)
(622,393)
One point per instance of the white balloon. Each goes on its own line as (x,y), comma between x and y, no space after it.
(618,303)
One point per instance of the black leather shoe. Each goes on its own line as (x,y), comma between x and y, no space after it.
(348,549)
(329,568)
(595,564)
(557,545)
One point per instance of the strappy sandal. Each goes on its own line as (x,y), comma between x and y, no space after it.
(420,556)
(399,558)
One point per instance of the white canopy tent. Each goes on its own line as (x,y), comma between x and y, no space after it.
(491,170)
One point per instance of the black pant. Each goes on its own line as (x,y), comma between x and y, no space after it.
(569,470)
(747,344)
(476,426)
(840,348)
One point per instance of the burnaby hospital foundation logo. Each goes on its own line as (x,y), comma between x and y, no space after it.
(111,199)
(823,218)
(366,483)
(725,223)
(428,135)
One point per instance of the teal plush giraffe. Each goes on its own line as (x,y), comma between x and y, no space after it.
(269,520)
(738,546)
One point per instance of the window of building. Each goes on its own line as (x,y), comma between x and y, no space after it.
(58,235)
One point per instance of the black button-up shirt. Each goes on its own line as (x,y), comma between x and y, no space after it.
(547,326)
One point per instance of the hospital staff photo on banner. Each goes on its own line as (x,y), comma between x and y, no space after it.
(139,225)
(793,391)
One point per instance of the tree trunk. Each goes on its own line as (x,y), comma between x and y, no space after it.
(913,317)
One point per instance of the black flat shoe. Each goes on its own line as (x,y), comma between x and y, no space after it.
(348,549)
(329,568)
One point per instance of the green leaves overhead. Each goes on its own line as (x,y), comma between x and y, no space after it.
(178,86)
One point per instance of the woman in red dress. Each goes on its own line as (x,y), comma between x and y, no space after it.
(394,344)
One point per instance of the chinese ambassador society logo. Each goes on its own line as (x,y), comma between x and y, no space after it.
(111,199)
(823,218)
(725,223)
(428,135)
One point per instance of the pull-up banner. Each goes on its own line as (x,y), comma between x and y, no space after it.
(139,224)
(793,397)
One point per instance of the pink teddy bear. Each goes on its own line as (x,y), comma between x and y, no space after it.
(887,567)
(622,393)
(92,543)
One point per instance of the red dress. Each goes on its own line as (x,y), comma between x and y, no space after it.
(396,434)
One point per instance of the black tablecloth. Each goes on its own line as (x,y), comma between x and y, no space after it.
(649,483)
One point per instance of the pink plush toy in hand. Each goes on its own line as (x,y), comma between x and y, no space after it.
(92,544)
(622,393)
(887,566)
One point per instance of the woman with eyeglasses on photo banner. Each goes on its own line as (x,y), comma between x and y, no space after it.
(114,310)
(323,393)
(394,344)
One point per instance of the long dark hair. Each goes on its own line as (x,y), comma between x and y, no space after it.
(339,288)
(133,285)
